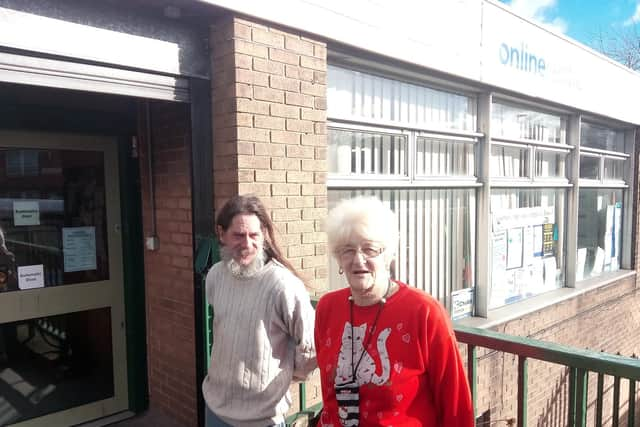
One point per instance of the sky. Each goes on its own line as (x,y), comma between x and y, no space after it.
(582,20)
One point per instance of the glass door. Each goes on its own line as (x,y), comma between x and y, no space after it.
(62,325)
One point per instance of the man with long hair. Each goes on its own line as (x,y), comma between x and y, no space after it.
(262,325)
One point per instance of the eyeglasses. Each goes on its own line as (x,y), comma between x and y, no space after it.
(348,253)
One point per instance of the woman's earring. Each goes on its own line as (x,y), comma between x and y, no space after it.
(340,271)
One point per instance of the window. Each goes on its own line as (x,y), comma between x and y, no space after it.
(555,198)
(527,203)
(603,160)
(413,147)
(354,153)
(527,243)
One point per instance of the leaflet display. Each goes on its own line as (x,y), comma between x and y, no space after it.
(523,246)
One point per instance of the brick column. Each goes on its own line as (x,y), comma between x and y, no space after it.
(269,131)
(171,350)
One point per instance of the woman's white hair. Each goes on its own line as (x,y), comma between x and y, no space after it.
(364,218)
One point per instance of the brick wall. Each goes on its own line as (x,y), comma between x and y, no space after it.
(169,271)
(269,131)
(604,319)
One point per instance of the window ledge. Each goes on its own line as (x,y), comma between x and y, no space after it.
(513,311)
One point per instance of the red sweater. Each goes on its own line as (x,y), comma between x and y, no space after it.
(411,373)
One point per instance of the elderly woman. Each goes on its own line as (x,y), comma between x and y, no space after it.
(386,351)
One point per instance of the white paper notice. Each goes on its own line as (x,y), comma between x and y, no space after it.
(514,248)
(537,240)
(598,264)
(79,248)
(26,212)
(580,263)
(550,268)
(31,276)
(527,246)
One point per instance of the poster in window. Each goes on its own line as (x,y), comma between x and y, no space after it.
(527,245)
(550,271)
(26,212)
(548,242)
(79,248)
(580,263)
(609,248)
(31,276)
(499,251)
(461,303)
(514,248)
(617,226)
(537,241)
(598,263)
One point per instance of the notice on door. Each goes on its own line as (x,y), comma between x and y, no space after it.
(79,248)
(31,276)
(26,212)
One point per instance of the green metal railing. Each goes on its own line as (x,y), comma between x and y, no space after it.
(579,363)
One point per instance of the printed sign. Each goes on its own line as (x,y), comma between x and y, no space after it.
(462,303)
(26,213)
(31,276)
(79,248)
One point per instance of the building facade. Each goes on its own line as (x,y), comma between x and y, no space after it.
(507,151)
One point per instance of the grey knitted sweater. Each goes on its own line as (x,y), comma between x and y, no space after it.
(262,340)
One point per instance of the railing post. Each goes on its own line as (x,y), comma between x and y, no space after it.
(582,384)
(522,391)
(599,399)
(302,396)
(472,374)
(632,403)
(616,402)
(571,418)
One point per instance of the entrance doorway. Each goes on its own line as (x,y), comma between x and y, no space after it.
(63,355)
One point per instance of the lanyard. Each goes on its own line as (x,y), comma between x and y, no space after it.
(367,341)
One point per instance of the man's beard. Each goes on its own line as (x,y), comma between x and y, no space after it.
(243,271)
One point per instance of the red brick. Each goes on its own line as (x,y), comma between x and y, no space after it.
(269,122)
(318,64)
(280,55)
(287,111)
(283,83)
(266,66)
(285,137)
(284,163)
(300,152)
(267,37)
(298,99)
(285,189)
(294,44)
(268,94)
(270,176)
(296,125)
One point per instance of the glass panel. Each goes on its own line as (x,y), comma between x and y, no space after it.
(589,167)
(613,169)
(527,243)
(599,231)
(366,96)
(367,153)
(601,138)
(54,363)
(442,157)
(436,250)
(508,161)
(508,121)
(550,164)
(52,218)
